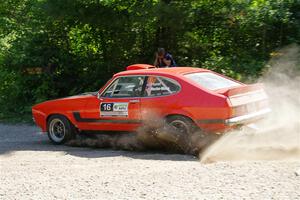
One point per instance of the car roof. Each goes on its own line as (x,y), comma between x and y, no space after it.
(161,71)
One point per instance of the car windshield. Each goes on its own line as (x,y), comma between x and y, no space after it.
(211,81)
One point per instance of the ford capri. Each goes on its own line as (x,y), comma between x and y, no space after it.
(181,97)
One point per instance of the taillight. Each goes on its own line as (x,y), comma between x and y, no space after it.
(248,108)
(239,110)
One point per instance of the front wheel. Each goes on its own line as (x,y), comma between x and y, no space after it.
(59,129)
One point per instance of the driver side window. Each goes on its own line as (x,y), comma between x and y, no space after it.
(127,86)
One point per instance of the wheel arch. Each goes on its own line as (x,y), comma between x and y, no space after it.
(59,114)
(182,115)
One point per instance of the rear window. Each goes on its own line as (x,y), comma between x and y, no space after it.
(211,81)
(160,86)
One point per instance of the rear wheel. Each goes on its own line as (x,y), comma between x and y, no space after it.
(60,129)
(181,124)
(182,129)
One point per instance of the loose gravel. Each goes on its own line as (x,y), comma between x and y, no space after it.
(32,168)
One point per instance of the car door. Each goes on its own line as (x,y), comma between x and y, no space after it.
(117,108)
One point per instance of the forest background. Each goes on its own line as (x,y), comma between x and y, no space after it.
(56,48)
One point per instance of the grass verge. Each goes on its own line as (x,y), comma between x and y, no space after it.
(16,118)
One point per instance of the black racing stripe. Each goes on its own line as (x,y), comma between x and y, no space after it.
(211,121)
(78,118)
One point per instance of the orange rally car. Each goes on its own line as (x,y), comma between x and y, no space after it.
(181,96)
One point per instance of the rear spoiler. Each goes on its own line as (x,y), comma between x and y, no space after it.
(243,89)
(139,66)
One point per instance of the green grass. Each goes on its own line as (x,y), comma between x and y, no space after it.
(13,118)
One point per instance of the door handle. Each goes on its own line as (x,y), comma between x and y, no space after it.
(134,101)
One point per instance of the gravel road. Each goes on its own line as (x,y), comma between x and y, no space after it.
(32,168)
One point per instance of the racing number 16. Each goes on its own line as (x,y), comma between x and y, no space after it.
(106,106)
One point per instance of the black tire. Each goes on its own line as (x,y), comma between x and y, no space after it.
(181,124)
(182,129)
(60,129)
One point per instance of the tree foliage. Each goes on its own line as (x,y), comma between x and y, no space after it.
(54,48)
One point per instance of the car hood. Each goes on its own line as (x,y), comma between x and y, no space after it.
(82,95)
(80,99)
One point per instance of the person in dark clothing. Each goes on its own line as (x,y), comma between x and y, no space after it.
(164,59)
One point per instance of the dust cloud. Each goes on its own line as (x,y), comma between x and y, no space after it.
(147,138)
(278,136)
(155,134)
